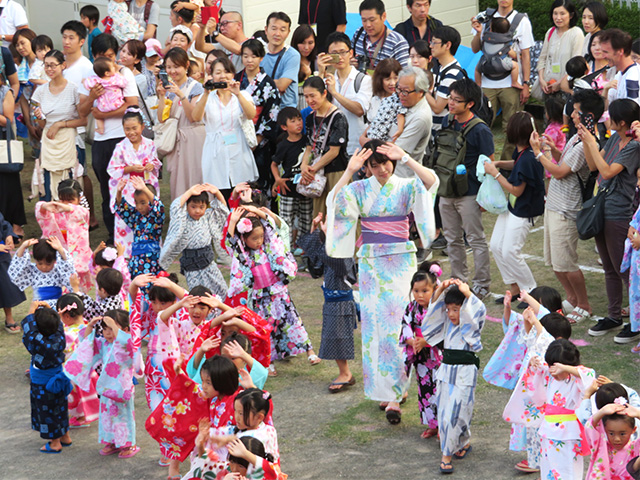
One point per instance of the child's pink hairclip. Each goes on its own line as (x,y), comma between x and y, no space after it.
(436,270)
(620,401)
(68,308)
(266,395)
(244,225)
(109,254)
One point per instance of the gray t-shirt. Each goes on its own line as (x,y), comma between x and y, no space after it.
(138,13)
(565,195)
(618,205)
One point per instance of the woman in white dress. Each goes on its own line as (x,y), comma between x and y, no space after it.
(226,157)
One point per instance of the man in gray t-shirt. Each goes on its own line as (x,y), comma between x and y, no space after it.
(147,14)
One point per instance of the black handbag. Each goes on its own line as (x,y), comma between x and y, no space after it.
(590,220)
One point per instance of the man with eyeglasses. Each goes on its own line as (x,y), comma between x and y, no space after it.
(411,88)
(351,90)
(374,41)
(444,45)
(229,37)
(420,25)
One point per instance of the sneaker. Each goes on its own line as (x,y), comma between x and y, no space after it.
(480,292)
(499,300)
(604,325)
(626,335)
(439,243)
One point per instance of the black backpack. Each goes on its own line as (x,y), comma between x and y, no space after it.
(450,150)
(496,45)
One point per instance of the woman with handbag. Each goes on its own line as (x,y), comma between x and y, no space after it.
(11,201)
(617,164)
(227,159)
(59,116)
(326,153)
(183,160)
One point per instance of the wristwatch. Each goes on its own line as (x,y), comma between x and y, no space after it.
(3,37)
(525,82)
(405,158)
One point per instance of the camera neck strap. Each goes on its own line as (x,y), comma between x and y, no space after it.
(378,47)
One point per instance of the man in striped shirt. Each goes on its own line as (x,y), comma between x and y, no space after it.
(374,41)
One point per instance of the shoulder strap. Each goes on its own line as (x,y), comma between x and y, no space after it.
(516,21)
(358,35)
(358,81)
(490,13)
(446,70)
(553,29)
(326,137)
(472,123)
(275,67)
(147,10)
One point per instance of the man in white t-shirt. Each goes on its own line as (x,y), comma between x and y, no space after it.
(351,90)
(12,18)
(78,68)
(500,92)
(105,45)
(229,38)
(616,47)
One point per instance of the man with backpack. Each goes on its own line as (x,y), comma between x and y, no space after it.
(499,91)
(147,14)
(458,144)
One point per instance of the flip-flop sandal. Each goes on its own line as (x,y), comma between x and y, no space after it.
(523,466)
(394,416)
(12,328)
(636,349)
(445,470)
(383,406)
(314,359)
(341,385)
(624,312)
(567,307)
(163,462)
(429,432)
(109,450)
(128,452)
(577,315)
(66,444)
(48,449)
(73,423)
(272,372)
(460,454)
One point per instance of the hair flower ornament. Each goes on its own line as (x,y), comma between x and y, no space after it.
(620,401)
(109,254)
(436,270)
(244,225)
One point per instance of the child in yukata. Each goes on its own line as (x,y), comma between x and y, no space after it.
(456,316)
(48,275)
(108,294)
(145,219)
(44,339)
(115,350)
(195,224)
(547,396)
(68,221)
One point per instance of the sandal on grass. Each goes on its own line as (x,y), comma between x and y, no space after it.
(446,467)
(129,452)
(12,327)
(314,359)
(636,349)
(47,449)
(460,454)
(394,415)
(340,386)
(429,432)
(577,315)
(109,449)
(272,372)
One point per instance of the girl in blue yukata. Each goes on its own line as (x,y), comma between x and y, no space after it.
(456,316)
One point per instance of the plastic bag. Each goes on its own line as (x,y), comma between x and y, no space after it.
(490,195)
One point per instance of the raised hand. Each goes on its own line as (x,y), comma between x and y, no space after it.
(122,183)
(358,158)
(210,343)
(54,242)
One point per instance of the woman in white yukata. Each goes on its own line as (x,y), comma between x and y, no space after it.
(386,258)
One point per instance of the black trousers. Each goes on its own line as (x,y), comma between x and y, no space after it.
(101,153)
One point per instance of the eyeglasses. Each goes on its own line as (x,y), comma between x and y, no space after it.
(456,100)
(404,93)
(227,22)
(342,54)
(433,42)
(51,65)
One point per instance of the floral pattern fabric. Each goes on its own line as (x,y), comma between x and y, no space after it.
(631,262)
(266,97)
(606,462)
(82,404)
(386,117)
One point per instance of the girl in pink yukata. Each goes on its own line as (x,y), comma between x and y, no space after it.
(547,396)
(113,97)
(68,221)
(610,432)
(116,351)
(418,353)
(133,156)
(83,405)
(163,342)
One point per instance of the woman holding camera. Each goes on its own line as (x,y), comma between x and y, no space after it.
(227,158)
(179,93)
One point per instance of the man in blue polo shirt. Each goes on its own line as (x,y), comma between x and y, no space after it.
(420,25)
(281,63)
(374,41)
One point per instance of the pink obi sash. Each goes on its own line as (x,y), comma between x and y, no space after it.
(558,415)
(385,229)
(263,276)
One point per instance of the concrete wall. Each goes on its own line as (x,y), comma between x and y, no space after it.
(47,16)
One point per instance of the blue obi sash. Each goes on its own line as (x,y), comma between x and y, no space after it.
(333,296)
(144,247)
(48,293)
(54,379)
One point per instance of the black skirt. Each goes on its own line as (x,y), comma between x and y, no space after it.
(10,295)
(11,201)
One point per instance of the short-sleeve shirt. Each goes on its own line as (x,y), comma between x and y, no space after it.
(289,155)
(441,87)
(362,96)
(565,194)
(327,18)
(60,107)
(287,68)
(530,171)
(9,65)
(522,40)
(92,34)
(316,128)
(629,83)
(479,142)
(113,125)
(618,205)
(138,13)
(394,46)
(13,16)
